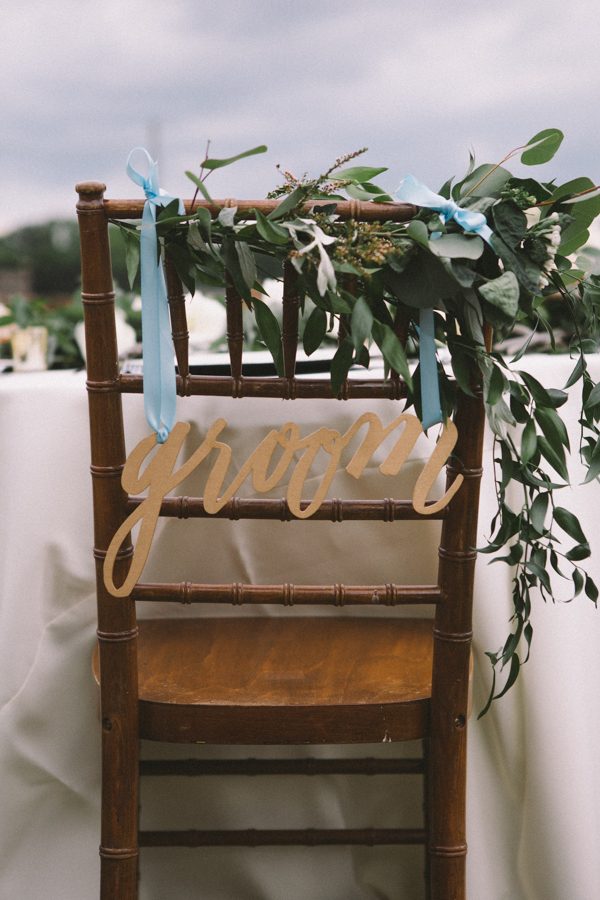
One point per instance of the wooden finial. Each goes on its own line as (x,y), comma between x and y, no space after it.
(91,194)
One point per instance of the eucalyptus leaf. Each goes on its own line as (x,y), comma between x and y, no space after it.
(219,163)
(457,246)
(368,192)
(542,147)
(484,181)
(503,293)
(510,222)
(419,232)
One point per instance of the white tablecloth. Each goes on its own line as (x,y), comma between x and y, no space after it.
(533,803)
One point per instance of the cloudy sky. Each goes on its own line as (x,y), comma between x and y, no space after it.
(418,83)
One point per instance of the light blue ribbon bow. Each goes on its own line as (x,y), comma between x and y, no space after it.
(412,191)
(157,347)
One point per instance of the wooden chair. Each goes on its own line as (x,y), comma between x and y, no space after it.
(172,680)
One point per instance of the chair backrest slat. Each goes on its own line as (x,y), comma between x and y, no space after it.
(179,327)
(289,331)
(290,594)
(235,328)
(334,510)
(281,388)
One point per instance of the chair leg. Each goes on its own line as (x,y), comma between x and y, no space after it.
(427,873)
(120,813)
(446,789)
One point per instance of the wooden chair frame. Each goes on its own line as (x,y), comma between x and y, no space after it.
(441,721)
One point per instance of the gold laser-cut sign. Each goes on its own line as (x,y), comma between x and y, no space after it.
(159,477)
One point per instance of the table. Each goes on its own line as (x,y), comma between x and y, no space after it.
(533,802)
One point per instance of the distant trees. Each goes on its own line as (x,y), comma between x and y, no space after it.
(50,252)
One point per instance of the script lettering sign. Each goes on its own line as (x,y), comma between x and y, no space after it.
(280,450)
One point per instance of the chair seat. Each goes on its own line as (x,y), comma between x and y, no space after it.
(284,680)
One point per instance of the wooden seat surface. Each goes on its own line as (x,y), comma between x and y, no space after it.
(284,680)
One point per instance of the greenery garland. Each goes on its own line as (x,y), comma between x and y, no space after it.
(398,268)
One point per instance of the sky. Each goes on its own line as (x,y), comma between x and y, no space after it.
(419,84)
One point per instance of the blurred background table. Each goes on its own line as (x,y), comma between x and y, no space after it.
(534,786)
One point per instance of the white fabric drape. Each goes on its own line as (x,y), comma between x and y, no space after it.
(533,804)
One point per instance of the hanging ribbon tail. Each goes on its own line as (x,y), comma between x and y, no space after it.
(431,410)
(160,389)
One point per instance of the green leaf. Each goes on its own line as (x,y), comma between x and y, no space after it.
(528,442)
(515,665)
(247,264)
(577,582)
(392,350)
(419,232)
(232,264)
(289,202)
(462,368)
(537,391)
(361,321)
(132,254)
(340,364)
(456,246)
(579,552)
(358,174)
(553,426)
(583,213)
(181,259)
(200,185)
(485,181)
(594,397)
(539,573)
(270,332)
(590,589)
(494,386)
(569,524)
(503,293)
(219,163)
(555,456)
(542,147)
(518,262)
(195,239)
(270,231)
(423,282)
(510,222)
(537,513)
(580,368)
(314,330)
(559,398)
(368,192)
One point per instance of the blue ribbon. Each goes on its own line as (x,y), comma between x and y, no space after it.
(412,191)
(157,346)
